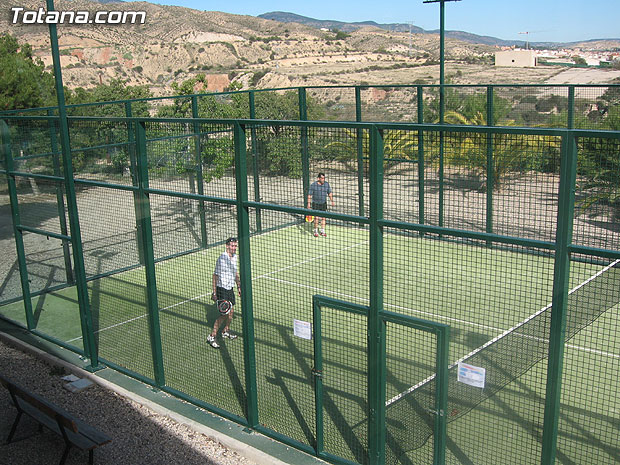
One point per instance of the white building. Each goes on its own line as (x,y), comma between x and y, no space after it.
(516,58)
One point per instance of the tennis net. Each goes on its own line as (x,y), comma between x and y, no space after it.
(409,417)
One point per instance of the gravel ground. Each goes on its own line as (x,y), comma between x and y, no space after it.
(140,435)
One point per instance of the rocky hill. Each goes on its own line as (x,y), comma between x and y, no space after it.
(177,43)
(282,16)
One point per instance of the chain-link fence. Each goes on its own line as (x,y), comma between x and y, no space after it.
(419,304)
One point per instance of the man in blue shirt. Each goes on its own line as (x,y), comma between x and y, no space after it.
(317,200)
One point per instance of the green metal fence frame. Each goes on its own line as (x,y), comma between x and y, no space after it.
(562,247)
(302,92)
(376,371)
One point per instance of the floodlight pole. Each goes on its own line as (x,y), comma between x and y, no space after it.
(442,27)
(442,8)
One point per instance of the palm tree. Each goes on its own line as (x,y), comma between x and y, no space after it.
(511,153)
(399,146)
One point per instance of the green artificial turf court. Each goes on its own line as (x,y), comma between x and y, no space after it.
(480,292)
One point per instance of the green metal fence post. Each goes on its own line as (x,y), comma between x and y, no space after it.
(19,239)
(199,178)
(305,156)
(441,176)
(571,107)
(442,106)
(360,150)
(60,201)
(318,368)
(259,226)
(144,218)
(560,296)
(133,170)
(420,96)
(245,273)
(376,327)
(442,361)
(490,164)
(90,347)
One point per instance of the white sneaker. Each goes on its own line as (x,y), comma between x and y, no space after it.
(212,343)
(228,335)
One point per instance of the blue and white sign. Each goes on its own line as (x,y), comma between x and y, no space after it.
(469,374)
(302,329)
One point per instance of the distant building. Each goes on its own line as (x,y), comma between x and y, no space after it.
(516,58)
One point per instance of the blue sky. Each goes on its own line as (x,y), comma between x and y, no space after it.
(545,20)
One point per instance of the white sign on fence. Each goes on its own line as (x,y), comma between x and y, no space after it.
(469,374)
(302,329)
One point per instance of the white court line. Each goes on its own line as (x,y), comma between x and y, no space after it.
(441,317)
(593,351)
(333,252)
(484,346)
(454,320)
(311,260)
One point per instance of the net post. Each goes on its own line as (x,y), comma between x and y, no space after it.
(557,331)
(5,150)
(441,406)
(376,326)
(245,273)
(144,209)
(199,177)
(360,150)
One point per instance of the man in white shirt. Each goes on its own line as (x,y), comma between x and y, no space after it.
(224,278)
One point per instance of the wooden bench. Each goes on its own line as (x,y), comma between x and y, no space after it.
(75,432)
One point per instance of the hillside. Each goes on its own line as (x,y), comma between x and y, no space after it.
(596,44)
(177,43)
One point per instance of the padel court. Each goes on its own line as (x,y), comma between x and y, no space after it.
(443,301)
(463,308)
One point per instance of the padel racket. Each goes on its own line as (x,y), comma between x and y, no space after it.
(224,307)
(309,218)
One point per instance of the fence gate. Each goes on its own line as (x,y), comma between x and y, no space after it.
(416,374)
(416,387)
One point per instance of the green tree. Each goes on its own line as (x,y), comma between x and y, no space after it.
(580,61)
(608,108)
(598,168)
(468,105)
(279,147)
(398,146)
(340,35)
(511,153)
(284,106)
(117,91)
(182,107)
(114,157)
(23,81)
